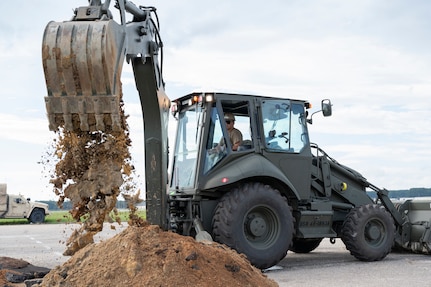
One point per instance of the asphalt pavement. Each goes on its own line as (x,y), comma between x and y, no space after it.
(328,265)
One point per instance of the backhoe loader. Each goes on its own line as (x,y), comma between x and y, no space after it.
(276,192)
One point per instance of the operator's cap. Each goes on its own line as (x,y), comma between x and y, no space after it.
(229,116)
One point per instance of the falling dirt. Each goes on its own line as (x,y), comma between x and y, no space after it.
(92,168)
(148,256)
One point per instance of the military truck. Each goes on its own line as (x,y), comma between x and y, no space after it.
(276,191)
(17,206)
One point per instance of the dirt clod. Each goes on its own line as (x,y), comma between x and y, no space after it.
(148,256)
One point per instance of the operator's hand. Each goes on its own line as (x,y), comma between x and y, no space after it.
(218,149)
(212,151)
(236,145)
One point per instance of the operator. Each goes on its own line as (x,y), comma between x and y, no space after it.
(235,135)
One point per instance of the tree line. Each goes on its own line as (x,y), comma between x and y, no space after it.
(406,193)
(53,206)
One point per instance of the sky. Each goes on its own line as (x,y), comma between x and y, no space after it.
(372,58)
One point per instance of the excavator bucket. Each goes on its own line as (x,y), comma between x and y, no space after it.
(415,234)
(82,62)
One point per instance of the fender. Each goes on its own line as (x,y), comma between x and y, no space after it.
(248,166)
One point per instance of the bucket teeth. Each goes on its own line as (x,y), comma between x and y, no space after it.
(83,118)
(52,123)
(99,122)
(68,125)
(116,122)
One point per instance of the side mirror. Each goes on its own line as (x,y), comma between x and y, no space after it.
(326,108)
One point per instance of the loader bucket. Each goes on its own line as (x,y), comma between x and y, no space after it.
(416,231)
(82,62)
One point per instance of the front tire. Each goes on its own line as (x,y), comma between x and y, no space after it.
(37,216)
(368,232)
(254,219)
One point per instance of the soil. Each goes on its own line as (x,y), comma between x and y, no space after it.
(148,256)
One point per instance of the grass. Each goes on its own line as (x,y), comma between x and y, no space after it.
(13,221)
(63,216)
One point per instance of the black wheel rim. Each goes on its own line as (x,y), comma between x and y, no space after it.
(375,232)
(37,217)
(261,227)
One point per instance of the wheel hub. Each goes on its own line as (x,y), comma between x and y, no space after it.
(257,226)
(373,232)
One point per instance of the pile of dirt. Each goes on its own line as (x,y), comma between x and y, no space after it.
(148,256)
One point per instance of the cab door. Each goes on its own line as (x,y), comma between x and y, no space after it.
(286,141)
(18,206)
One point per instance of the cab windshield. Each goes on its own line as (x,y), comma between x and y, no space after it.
(187,147)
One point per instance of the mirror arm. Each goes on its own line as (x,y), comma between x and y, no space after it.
(310,120)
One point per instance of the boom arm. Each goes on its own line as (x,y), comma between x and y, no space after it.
(82,61)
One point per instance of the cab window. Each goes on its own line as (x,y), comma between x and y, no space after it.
(219,142)
(284,126)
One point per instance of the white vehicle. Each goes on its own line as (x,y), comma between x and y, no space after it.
(17,206)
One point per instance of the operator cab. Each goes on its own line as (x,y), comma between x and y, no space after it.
(270,127)
(203,133)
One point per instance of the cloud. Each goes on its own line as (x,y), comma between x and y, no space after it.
(393,165)
(31,131)
(338,61)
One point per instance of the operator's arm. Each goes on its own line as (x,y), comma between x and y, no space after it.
(236,139)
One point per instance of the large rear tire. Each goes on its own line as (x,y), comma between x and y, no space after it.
(257,221)
(368,232)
